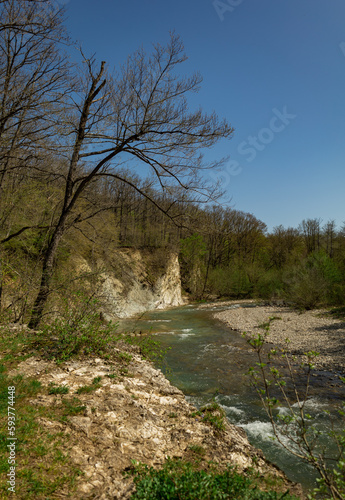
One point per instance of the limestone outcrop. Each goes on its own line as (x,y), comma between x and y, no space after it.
(132,282)
(138,416)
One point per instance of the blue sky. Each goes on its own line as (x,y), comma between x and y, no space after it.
(275,69)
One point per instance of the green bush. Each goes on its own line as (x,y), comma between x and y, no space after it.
(149,347)
(231,281)
(179,480)
(270,285)
(316,281)
(79,330)
(62,340)
(306,288)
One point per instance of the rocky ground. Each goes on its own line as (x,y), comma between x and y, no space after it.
(137,416)
(306,331)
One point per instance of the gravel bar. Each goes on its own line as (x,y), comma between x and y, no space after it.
(306,331)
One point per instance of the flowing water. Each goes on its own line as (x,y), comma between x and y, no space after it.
(209,360)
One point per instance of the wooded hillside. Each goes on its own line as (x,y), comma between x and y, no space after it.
(90,160)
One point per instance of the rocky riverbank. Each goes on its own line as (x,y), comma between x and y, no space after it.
(133,413)
(306,331)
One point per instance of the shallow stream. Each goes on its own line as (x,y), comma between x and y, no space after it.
(208,360)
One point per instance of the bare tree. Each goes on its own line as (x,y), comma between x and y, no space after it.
(310,228)
(329,234)
(33,82)
(28,25)
(282,244)
(140,115)
(33,77)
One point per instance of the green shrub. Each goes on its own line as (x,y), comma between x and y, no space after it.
(67,337)
(149,347)
(315,282)
(270,285)
(231,281)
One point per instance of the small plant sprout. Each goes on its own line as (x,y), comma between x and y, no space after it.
(294,429)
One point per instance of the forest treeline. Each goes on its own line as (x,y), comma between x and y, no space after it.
(92,161)
(223,252)
(229,253)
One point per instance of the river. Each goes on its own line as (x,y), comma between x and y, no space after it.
(206,359)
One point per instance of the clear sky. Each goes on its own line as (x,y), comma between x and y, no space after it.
(274,68)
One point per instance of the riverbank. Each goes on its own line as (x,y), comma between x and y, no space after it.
(306,331)
(105,413)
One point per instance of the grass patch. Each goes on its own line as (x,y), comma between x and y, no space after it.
(178,479)
(213,414)
(337,312)
(86,389)
(71,407)
(197,449)
(58,389)
(124,372)
(42,462)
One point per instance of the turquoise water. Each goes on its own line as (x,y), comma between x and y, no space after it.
(209,360)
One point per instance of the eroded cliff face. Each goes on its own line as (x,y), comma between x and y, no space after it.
(136,281)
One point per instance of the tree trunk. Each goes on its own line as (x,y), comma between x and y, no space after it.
(47,273)
(69,202)
(1,282)
(208,268)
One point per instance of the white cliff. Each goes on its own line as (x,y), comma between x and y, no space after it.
(133,283)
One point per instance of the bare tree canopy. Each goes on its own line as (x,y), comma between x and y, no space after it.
(33,82)
(11,18)
(75,127)
(142,114)
(139,116)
